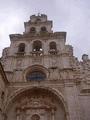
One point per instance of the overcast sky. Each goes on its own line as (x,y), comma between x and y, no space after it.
(72,16)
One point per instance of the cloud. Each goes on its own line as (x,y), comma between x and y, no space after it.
(71,16)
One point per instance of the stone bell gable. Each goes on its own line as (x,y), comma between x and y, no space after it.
(46,81)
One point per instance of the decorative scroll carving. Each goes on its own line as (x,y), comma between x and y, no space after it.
(30,106)
(35,103)
(19,62)
(36,59)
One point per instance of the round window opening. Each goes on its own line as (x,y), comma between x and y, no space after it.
(36,75)
(35,117)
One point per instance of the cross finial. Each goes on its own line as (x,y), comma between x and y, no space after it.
(38,14)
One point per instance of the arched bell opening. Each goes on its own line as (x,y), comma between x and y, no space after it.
(32,30)
(21,47)
(52,48)
(43,29)
(37,45)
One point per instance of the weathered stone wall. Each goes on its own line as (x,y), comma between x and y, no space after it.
(3,91)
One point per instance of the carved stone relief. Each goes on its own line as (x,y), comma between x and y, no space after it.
(35,108)
(54,74)
(18,64)
(36,59)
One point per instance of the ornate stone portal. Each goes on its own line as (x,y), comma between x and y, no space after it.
(34,109)
(37,105)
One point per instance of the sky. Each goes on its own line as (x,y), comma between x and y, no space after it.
(71,16)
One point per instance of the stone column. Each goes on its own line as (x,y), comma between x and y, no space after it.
(1,114)
(53,114)
(4,116)
(18,115)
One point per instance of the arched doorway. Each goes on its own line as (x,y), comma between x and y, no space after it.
(39,102)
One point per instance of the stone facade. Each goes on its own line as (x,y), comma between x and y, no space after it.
(3,91)
(46,81)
